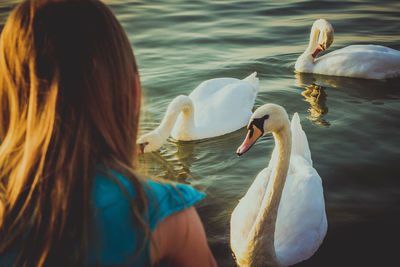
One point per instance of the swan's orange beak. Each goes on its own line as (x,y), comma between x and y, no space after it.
(252,135)
(319,49)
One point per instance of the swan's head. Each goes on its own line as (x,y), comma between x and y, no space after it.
(266,119)
(150,142)
(325,37)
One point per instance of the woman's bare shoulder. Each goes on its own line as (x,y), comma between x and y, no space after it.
(181,240)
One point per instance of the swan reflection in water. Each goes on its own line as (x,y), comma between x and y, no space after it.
(316,96)
(172,162)
(352,90)
(183,159)
(362,90)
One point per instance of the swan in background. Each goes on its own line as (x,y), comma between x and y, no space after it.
(215,107)
(359,61)
(281,220)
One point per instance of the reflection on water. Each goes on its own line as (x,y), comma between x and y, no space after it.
(356,90)
(172,162)
(365,89)
(184,157)
(154,162)
(316,96)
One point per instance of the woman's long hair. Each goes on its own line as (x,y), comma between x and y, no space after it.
(70,97)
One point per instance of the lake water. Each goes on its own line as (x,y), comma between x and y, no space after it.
(352,124)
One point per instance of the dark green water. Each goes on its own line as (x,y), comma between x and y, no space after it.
(352,124)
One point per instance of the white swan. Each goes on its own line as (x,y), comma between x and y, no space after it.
(215,107)
(279,223)
(359,61)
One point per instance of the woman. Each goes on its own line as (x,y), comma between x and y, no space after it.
(69,192)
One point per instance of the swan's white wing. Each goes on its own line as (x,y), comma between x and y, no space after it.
(229,107)
(246,212)
(301,223)
(299,139)
(208,88)
(221,106)
(362,61)
(366,49)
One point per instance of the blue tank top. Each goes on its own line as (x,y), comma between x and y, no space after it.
(115,236)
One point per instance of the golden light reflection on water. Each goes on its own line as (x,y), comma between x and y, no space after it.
(172,162)
(360,89)
(316,96)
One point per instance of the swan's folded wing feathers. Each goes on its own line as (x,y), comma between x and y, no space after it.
(299,139)
(226,110)
(301,223)
(253,80)
(206,89)
(362,61)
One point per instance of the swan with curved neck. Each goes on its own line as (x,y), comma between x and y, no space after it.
(156,138)
(281,220)
(216,107)
(359,61)
(321,38)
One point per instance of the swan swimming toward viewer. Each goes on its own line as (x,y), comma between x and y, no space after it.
(358,61)
(281,220)
(215,107)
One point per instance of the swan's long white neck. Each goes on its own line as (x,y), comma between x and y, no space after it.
(179,104)
(306,60)
(312,45)
(263,250)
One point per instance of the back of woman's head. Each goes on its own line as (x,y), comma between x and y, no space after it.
(69,96)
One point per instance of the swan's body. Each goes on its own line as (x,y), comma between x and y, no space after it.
(215,107)
(277,222)
(358,61)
